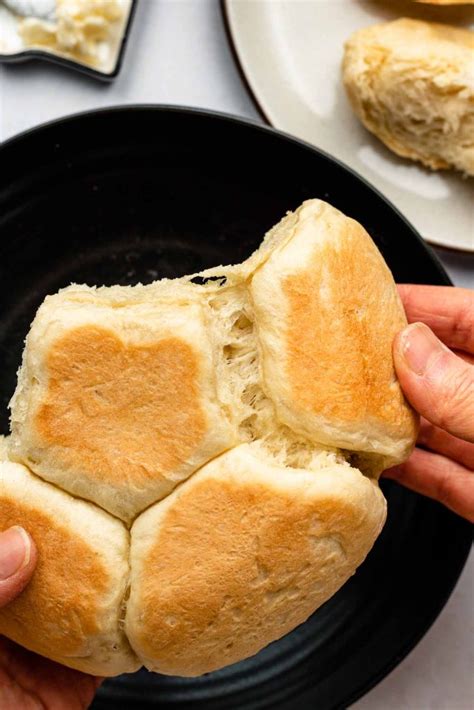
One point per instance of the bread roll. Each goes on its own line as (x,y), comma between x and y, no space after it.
(411,83)
(327,314)
(261,547)
(266,390)
(116,400)
(73,608)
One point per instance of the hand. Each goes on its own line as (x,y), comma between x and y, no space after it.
(28,681)
(439,383)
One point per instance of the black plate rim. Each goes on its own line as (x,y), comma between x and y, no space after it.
(231,118)
(367,684)
(26,55)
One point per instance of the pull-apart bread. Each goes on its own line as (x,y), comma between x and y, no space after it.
(411,83)
(197,460)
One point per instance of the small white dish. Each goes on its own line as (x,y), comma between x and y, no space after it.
(290,52)
(106,62)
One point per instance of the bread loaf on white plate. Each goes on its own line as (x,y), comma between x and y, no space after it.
(411,83)
(225,431)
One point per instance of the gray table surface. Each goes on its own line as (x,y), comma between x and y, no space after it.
(178,54)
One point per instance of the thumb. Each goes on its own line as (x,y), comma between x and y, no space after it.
(438,384)
(17,562)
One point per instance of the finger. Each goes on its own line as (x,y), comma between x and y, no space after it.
(439,478)
(50,685)
(439,441)
(467,357)
(438,384)
(448,311)
(17,562)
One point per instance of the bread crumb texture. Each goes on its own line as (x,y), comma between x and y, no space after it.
(411,83)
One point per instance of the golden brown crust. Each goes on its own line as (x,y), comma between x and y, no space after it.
(112,414)
(328,311)
(38,604)
(241,554)
(120,412)
(67,610)
(360,319)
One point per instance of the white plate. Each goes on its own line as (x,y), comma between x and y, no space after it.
(290,52)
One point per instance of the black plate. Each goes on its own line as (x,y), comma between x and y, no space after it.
(25,55)
(134,194)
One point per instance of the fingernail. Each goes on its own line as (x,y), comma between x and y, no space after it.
(15,551)
(418,346)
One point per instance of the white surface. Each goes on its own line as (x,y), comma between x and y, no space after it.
(178,53)
(297,80)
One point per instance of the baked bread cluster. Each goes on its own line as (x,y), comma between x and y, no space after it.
(411,83)
(197,459)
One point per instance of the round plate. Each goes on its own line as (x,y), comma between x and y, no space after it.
(135,194)
(296,83)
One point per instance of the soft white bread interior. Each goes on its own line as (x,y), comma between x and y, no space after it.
(260,388)
(411,83)
(261,546)
(72,610)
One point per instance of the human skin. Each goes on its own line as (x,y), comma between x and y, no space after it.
(434,360)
